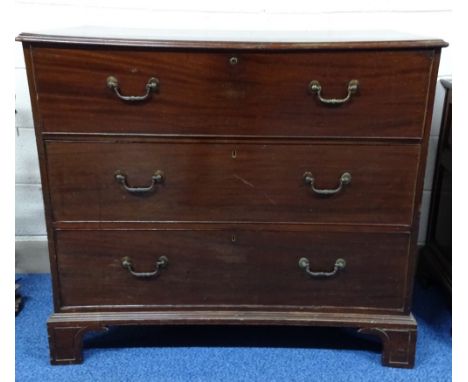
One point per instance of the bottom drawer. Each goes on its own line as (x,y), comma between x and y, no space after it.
(252,269)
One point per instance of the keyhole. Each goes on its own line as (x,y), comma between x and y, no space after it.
(234,154)
(233,60)
(233,238)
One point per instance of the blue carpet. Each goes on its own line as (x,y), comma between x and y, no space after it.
(229,353)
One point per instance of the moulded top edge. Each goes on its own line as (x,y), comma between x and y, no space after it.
(233,39)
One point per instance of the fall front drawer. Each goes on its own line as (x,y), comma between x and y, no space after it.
(232,268)
(375,94)
(183,181)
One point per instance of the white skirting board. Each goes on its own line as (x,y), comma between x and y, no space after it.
(31,254)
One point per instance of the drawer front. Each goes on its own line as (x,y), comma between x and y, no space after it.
(233,93)
(231,268)
(233,182)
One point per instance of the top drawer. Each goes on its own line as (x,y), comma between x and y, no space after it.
(239,93)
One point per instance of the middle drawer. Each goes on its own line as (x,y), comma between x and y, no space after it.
(233,182)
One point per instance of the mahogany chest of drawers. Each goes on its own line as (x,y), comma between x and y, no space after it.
(266,183)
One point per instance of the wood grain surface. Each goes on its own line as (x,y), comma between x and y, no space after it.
(201,93)
(233,268)
(232,182)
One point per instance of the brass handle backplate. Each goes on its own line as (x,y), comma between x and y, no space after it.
(316,88)
(304,264)
(310,180)
(151,86)
(120,177)
(127,263)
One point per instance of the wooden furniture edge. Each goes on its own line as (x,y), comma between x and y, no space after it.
(195,44)
(230,317)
